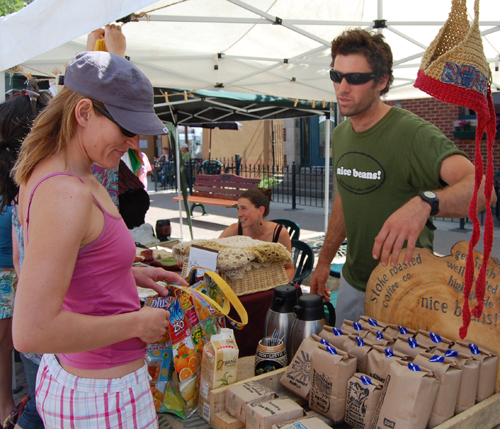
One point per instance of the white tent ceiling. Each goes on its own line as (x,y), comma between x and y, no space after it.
(273,47)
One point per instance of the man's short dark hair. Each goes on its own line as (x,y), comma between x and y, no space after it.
(370,44)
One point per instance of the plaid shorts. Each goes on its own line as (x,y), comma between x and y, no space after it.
(8,281)
(66,401)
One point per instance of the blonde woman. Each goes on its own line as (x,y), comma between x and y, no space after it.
(77,302)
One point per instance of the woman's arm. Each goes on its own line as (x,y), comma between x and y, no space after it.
(230,231)
(148,276)
(15,251)
(62,218)
(284,239)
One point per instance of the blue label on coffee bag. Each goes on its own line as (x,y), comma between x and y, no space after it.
(357,326)
(403,330)
(474,349)
(360,341)
(413,367)
(413,343)
(323,341)
(436,358)
(337,332)
(331,350)
(366,380)
(380,335)
(389,353)
(451,353)
(435,337)
(372,322)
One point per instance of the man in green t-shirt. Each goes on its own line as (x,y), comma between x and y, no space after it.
(393,170)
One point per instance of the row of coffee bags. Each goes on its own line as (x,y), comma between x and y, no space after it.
(373,374)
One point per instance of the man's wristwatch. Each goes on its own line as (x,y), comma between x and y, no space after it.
(433,200)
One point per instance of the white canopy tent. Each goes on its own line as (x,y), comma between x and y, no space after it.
(273,47)
(278,48)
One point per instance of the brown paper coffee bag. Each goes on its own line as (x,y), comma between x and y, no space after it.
(409,346)
(369,323)
(297,376)
(379,359)
(407,398)
(331,370)
(363,394)
(394,331)
(379,338)
(350,327)
(487,367)
(470,375)
(431,340)
(358,347)
(334,336)
(263,415)
(449,375)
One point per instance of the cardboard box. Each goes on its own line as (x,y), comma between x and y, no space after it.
(237,397)
(263,415)
(219,364)
(308,422)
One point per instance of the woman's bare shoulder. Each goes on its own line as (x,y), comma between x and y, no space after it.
(230,231)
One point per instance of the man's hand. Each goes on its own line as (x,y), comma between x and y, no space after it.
(94,37)
(113,37)
(318,281)
(115,40)
(148,276)
(404,224)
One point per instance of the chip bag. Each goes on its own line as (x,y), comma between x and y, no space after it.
(196,313)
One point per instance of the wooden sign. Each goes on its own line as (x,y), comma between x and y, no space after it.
(427,294)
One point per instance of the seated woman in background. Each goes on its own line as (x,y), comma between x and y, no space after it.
(253,207)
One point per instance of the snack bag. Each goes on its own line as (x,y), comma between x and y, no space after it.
(175,362)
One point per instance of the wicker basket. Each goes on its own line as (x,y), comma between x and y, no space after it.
(256,279)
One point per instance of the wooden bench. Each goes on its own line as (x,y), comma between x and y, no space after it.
(218,190)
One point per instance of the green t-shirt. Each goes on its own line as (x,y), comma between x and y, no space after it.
(377,172)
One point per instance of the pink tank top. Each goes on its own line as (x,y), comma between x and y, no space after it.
(103,285)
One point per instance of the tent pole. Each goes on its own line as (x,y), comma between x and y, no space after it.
(2,87)
(178,173)
(380,12)
(327,167)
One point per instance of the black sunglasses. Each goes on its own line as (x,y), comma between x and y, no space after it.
(105,113)
(351,78)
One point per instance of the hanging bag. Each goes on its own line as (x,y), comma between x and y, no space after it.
(454,69)
(196,313)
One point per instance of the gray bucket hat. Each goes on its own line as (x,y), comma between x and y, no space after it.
(124,90)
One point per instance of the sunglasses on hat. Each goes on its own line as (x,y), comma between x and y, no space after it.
(351,78)
(105,113)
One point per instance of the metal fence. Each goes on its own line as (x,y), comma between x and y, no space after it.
(291,184)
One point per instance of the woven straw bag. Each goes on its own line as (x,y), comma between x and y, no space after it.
(257,279)
(454,69)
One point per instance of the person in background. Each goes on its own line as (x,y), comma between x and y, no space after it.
(164,154)
(253,208)
(394,171)
(92,337)
(186,156)
(16,117)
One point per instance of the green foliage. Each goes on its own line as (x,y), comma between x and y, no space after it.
(10,6)
(267,182)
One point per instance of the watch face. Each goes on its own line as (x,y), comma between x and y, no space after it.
(429,194)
